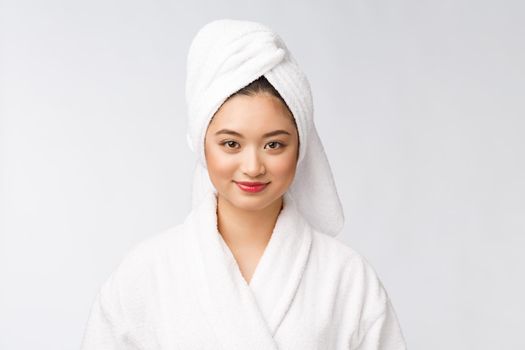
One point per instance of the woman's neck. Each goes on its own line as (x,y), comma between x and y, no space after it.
(246,228)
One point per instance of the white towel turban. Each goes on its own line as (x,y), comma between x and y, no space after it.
(225,56)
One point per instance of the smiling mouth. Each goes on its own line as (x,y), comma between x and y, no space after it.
(252,187)
(248,183)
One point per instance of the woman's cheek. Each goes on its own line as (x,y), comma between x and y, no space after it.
(224,164)
(284,166)
(214,163)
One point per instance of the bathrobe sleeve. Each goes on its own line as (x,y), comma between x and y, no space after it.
(384,333)
(379,327)
(105,329)
(115,317)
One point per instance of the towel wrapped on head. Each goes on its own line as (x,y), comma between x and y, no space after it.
(225,56)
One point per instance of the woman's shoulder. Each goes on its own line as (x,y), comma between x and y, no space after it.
(355,281)
(138,261)
(334,249)
(355,274)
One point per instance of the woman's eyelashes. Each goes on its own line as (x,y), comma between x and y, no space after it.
(276,144)
(229,144)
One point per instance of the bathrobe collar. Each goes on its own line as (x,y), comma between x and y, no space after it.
(246,316)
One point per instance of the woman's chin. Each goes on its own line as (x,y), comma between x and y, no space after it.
(251,203)
(248,202)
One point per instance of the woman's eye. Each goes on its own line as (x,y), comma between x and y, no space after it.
(230,144)
(275,145)
(233,144)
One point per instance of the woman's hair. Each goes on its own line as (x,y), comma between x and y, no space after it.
(261,85)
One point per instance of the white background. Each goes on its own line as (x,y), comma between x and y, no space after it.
(420,105)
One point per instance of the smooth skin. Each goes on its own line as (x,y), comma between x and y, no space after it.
(246,220)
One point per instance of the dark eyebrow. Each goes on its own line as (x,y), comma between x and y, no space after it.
(235,133)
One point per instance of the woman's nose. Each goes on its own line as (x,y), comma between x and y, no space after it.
(252,164)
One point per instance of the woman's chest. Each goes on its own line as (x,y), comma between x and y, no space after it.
(175,318)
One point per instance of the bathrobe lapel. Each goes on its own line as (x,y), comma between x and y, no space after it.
(246,316)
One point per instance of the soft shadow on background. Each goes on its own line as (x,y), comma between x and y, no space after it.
(419,105)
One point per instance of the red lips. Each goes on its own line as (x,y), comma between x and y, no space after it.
(251,186)
(245,183)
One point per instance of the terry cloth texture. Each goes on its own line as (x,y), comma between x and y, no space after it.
(182,289)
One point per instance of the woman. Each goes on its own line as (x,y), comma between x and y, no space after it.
(255,264)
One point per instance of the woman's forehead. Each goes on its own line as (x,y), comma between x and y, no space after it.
(255,115)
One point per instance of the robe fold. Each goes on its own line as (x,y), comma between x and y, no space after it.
(182,289)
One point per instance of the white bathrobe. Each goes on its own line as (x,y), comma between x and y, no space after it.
(182,289)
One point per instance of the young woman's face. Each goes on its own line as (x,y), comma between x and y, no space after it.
(252,139)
